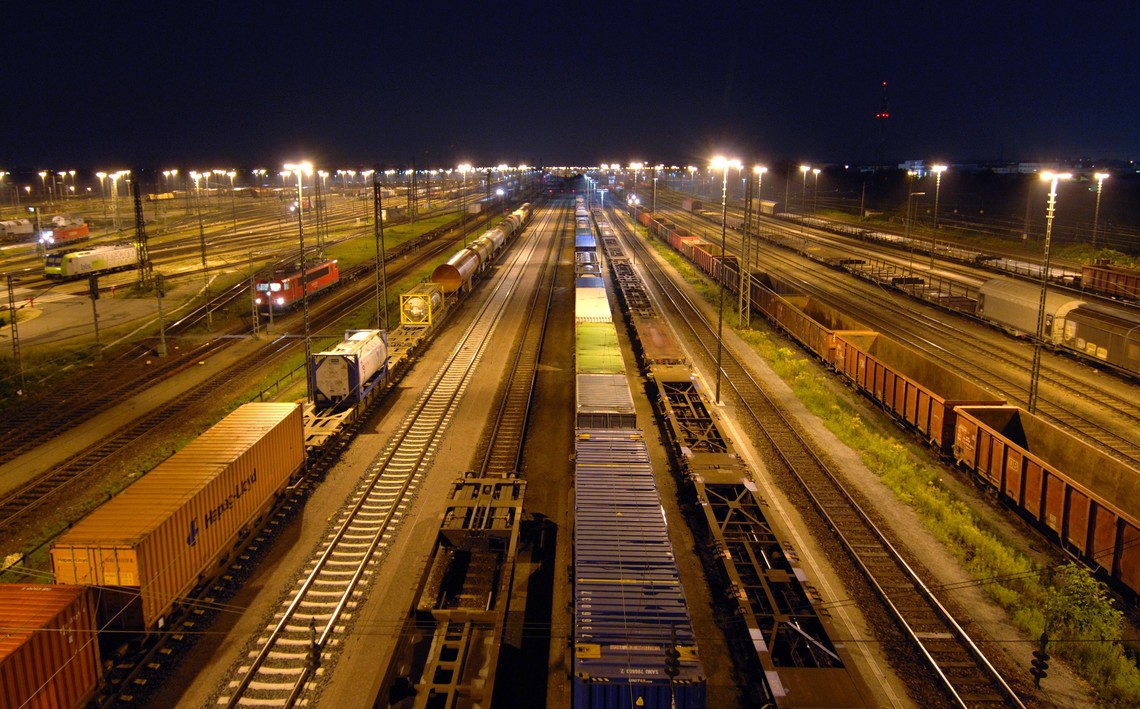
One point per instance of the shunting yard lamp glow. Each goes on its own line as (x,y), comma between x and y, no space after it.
(725,164)
(937,170)
(1100,178)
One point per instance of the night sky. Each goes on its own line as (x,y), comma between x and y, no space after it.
(104,84)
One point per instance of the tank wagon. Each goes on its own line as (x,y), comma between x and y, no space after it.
(91,262)
(49,656)
(456,275)
(919,380)
(171,530)
(421,306)
(280,289)
(785,637)
(346,373)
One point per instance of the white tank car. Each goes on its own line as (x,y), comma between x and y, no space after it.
(346,373)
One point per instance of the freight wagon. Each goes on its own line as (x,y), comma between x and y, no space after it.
(346,373)
(91,262)
(169,532)
(49,656)
(456,275)
(917,390)
(1087,501)
(281,289)
(1113,281)
(631,620)
(1101,333)
(421,306)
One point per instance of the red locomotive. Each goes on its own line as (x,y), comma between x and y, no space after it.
(280,290)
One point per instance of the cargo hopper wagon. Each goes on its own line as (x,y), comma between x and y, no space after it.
(928,398)
(786,644)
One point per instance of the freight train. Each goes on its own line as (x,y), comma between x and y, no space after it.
(130,570)
(758,567)
(91,262)
(634,644)
(280,289)
(125,571)
(59,236)
(456,275)
(1079,498)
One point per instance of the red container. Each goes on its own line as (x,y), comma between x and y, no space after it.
(49,655)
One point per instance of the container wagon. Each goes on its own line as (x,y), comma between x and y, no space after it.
(158,539)
(49,656)
(421,306)
(91,262)
(346,373)
(280,290)
(630,614)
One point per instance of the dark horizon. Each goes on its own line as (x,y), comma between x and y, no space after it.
(344,83)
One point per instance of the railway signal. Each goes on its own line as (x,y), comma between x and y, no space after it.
(1040,662)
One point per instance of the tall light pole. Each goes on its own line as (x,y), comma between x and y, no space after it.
(937,170)
(725,164)
(815,191)
(634,201)
(692,178)
(1051,206)
(909,199)
(197,176)
(302,169)
(43,183)
(463,170)
(759,171)
(115,194)
(654,194)
(804,169)
(1100,178)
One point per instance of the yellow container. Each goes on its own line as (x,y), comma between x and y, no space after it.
(170,530)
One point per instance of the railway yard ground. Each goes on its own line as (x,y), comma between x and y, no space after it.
(538,644)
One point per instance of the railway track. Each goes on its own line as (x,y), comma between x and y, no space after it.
(953,658)
(311,617)
(508,434)
(979,365)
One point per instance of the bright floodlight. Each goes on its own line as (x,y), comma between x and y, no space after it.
(1101,176)
(937,168)
(305,167)
(804,169)
(759,169)
(499,192)
(1056,176)
(720,162)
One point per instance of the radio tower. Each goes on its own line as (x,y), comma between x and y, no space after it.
(881,118)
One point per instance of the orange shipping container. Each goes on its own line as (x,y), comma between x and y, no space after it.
(158,538)
(49,656)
